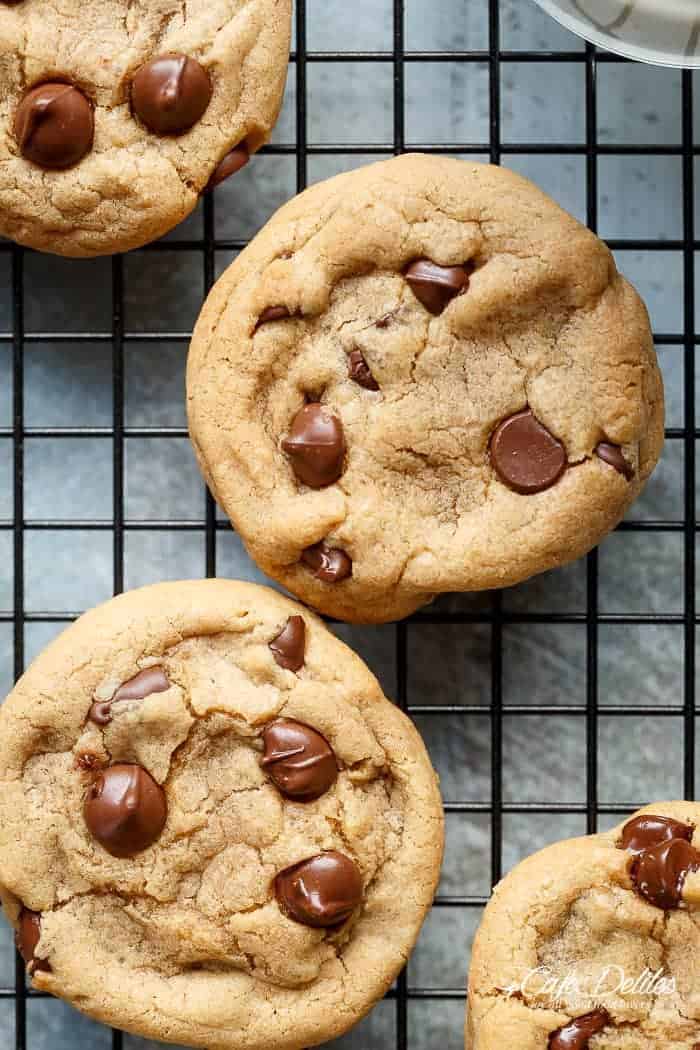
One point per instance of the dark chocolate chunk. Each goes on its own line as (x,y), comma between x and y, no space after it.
(100,712)
(27,937)
(434,286)
(649,830)
(359,370)
(316,446)
(234,160)
(575,1036)
(330,564)
(54,125)
(273,313)
(612,454)
(125,809)
(170,93)
(288,646)
(659,872)
(321,891)
(526,457)
(150,680)
(299,761)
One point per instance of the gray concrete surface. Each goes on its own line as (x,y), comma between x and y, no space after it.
(70,383)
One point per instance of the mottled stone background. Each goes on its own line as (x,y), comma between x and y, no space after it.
(70,383)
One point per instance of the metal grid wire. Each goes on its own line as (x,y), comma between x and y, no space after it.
(496,616)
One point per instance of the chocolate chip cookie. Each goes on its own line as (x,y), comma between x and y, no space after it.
(592,943)
(422,376)
(116,116)
(214,828)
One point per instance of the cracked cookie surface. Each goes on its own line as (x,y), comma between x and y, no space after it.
(364,379)
(201,845)
(578,947)
(157,100)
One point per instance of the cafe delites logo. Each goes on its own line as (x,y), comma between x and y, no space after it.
(557,989)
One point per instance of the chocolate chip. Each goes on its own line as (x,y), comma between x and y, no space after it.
(575,1036)
(288,646)
(150,680)
(385,320)
(322,891)
(612,454)
(316,446)
(273,313)
(659,873)
(234,160)
(54,125)
(170,93)
(329,564)
(300,761)
(526,457)
(434,286)
(100,712)
(359,370)
(125,809)
(647,830)
(27,937)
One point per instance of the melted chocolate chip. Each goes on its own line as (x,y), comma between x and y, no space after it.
(359,370)
(322,891)
(659,872)
(27,937)
(234,160)
(316,446)
(100,712)
(288,646)
(612,455)
(273,313)
(575,1036)
(434,286)
(330,564)
(150,680)
(125,809)
(54,125)
(649,830)
(170,93)
(300,761)
(526,457)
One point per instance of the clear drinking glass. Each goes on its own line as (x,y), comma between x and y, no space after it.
(665,32)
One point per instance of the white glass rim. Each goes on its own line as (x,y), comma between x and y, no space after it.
(615,45)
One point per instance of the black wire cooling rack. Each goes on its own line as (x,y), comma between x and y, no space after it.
(495,615)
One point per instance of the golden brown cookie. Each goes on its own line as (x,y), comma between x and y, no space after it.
(592,944)
(422,376)
(214,828)
(116,116)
